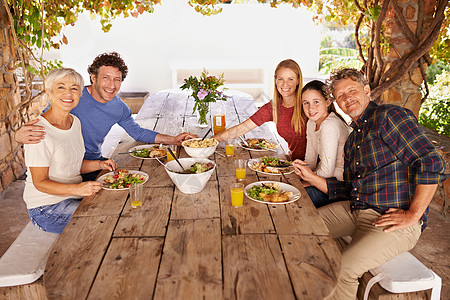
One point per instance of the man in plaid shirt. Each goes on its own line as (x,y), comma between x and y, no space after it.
(391,174)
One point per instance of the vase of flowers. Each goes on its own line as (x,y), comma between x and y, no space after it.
(204,91)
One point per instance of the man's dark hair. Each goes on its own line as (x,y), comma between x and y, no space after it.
(112,59)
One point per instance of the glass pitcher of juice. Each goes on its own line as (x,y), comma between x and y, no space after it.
(218,113)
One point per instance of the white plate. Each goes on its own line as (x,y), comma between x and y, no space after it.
(283,186)
(102,178)
(288,170)
(253,149)
(149,146)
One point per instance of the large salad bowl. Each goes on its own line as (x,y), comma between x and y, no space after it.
(189,183)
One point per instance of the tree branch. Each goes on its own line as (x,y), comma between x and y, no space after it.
(403,25)
(424,77)
(358,6)
(410,59)
(380,68)
(358,43)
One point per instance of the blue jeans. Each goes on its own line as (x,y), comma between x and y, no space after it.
(318,197)
(54,218)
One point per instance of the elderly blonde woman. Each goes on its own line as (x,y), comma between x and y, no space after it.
(54,186)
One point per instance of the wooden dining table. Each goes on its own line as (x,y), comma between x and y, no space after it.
(193,246)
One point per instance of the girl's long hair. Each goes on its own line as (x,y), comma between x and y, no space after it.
(297,120)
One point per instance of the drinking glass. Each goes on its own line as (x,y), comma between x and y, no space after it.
(241,169)
(174,149)
(136,194)
(229,147)
(237,194)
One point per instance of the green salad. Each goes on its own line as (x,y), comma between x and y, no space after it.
(274,162)
(197,168)
(155,151)
(254,191)
(200,167)
(141,152)
(122,180)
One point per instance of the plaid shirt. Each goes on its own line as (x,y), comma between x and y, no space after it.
(386,156)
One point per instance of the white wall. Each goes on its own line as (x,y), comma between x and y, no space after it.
(175,31)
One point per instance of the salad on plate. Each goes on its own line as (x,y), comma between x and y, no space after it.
(272,192)
(148,151)
(270,165)
(259,144)
(121,179)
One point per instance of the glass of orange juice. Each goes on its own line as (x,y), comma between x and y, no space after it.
(237,194)
(240,169)
(174,149)
(136,194)
(229,147)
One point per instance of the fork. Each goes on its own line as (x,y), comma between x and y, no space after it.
(284,176)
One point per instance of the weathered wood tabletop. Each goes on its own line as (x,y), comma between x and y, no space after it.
(180,246)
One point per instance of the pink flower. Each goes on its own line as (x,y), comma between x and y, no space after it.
(202,94)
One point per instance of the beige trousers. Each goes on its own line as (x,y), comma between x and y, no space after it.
(370,246)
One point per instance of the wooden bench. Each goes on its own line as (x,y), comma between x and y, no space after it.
(24,262)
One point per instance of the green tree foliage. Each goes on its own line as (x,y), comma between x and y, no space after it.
(336,58)
(338,51)
(38,24)
(435,111)
(436,69)
(441,48)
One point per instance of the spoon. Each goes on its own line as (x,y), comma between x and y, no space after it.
(163,164)
(220,154)
(209,130)
(284,176)
(244,141)
(176,159)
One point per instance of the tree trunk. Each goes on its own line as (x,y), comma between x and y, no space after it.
(405,33)
(11,153)
(411,28)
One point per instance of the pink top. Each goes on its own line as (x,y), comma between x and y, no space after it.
(296,141)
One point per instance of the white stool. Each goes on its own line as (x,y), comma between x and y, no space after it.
(25,259)
(404,274)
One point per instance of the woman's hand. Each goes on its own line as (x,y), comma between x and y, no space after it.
(88,188)
(109,165)
(302,169)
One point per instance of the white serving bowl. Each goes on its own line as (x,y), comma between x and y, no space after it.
(189,183)
(199,152)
